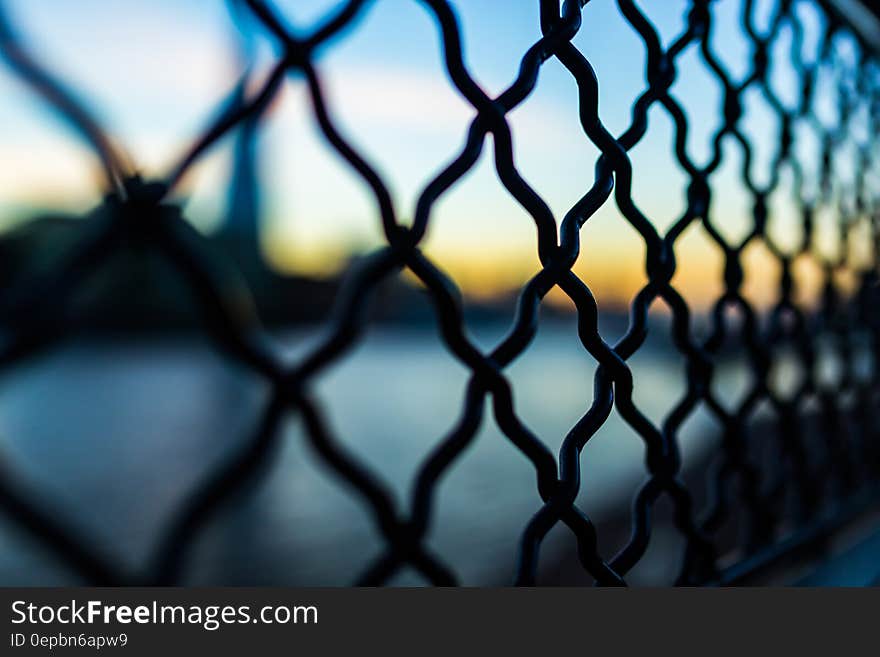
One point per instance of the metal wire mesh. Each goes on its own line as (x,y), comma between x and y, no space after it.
(803,491)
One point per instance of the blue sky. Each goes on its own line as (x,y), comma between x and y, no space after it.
(155,71)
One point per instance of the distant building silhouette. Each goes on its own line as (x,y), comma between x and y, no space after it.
(242,222)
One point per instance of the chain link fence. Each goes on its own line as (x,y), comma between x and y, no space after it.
(792,481)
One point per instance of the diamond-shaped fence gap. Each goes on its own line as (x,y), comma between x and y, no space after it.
(762,435)
(419,121)
(809,280)
(828,368)
(271,514)
(846,174)
(825,97)
(661,198)
(731,206)
(759,266)
(700,439)
(827,239)
(613,280)
(846,282)
(807,151)
(787,373)
(480,551)
(811,19)
(392,396)
(480,236)
(701,96)
(783,76)
(493,42)
(734,376)
(699,268)
(616,53)
(702,322)
(658,372)
(550,148)
(317,214)
(845,163)
(761,125)
(847,52)
(556,347)
(560,565)
(813,439)
(312,531)
(669,23)
(785,216)
(70,461)
(860,245)
(732,47)
(860,130)
(661,562)
(761,16)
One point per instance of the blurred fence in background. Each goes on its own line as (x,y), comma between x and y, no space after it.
(785,482)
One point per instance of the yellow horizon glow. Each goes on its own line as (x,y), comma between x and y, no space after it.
(614,275)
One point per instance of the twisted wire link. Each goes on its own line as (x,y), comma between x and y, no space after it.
(37,314)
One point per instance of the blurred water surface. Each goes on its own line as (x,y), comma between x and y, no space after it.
(111,436)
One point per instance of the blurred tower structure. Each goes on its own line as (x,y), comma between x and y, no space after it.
(242,221)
